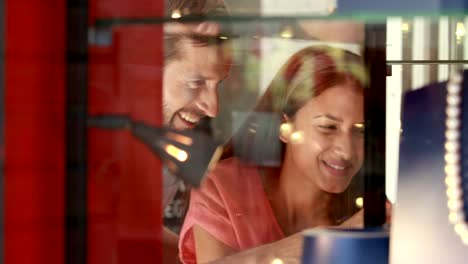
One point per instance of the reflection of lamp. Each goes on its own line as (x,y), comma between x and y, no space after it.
(188,154)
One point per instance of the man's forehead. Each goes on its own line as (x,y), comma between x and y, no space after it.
(188,44)
(197,73)
(211,55)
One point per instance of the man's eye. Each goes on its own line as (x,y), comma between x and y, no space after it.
(195,84)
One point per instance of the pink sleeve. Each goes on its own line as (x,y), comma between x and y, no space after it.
(207,209)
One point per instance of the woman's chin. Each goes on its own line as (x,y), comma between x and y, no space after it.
(330,186)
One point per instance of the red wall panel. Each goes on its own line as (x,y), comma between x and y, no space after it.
(34,131)
(124,177)
(100,9)
(124,182)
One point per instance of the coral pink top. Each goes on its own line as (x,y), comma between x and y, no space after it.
(232,206)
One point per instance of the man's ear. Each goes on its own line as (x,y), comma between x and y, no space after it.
(286,129)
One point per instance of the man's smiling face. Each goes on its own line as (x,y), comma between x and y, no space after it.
(191,82)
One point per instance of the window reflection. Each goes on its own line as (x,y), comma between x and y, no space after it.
(255,197)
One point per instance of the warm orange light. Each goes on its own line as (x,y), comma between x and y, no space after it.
(451,158)
(297,137)
(359,202)
(453,192)
(460,229)
(465,239)
(455,217)
(452,181)
(180,138)
(451,146)
(176,14)
(177,153)
(359,125)
(287,32)
(285,130)
(405,27)
(277,261)
(460,30)
(454,204)
(451,170)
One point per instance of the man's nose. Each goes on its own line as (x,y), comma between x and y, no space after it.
(208,101)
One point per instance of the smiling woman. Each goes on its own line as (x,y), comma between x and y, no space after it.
(318,96)
(331,139)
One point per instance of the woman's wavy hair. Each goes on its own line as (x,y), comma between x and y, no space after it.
(307,74)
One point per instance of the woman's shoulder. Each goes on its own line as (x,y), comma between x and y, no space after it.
(231,182)
(233,172)
(233,164)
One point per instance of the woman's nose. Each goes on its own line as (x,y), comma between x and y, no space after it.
(344,146)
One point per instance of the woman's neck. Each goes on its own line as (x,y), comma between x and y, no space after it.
(298,203)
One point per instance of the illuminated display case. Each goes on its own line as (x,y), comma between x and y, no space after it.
(120,196)
(127,54)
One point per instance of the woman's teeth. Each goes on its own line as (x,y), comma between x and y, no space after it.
(189,117)
(336,167)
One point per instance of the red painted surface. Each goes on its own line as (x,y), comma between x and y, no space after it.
(103,9)
(34,131)
(124,177)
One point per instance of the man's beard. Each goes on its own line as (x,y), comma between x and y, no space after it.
(168,118)
(170,115)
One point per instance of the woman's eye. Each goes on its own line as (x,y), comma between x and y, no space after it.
(358,128)
(328,127)
(360,131)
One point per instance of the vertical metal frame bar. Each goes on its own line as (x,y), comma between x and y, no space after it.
(374,109)
(395,34)
(420,51)
(407,53)
(76,140)
(443,48)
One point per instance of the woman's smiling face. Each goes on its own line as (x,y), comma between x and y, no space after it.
(332,150)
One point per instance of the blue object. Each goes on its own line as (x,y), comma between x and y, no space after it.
(421,231)
(345,246)
(402,6)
